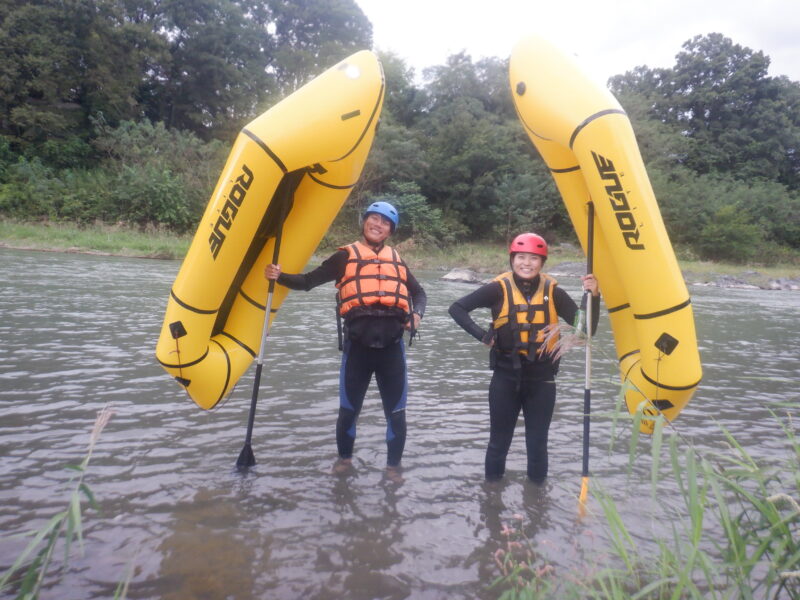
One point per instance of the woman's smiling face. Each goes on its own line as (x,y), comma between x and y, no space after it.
(526,265)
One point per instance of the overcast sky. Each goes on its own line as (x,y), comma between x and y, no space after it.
(608,37)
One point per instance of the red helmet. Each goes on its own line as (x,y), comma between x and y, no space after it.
(529,242)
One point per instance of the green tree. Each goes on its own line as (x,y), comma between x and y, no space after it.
(213,74)
(63,62)
(729,236)
(404,101)
(528,202)
(202,65)
(419,220)
(311,35)
(718,95)
(469,152)
(485,81)
(396,155)
(663,145)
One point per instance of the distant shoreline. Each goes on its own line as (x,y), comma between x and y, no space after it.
(747,279)
(483,259)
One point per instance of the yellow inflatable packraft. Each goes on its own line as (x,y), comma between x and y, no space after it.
(294,167)
(587,142)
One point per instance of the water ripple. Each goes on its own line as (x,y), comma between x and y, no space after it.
(79,333)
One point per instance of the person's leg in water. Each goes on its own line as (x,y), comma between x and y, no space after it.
(354,377)
(538,402)
(504,406)
(392,379)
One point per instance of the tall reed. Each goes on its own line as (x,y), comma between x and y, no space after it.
(28,572)
(736,535)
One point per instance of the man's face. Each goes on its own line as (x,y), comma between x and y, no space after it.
(376,228)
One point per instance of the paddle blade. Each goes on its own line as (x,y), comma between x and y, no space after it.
(246,458)
(582,497)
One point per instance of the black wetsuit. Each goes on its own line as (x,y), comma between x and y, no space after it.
(530,387)
(373,344)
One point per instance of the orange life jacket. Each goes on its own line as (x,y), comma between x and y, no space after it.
(373,279)
(527,320)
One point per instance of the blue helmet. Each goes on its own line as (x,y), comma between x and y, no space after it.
(385,209)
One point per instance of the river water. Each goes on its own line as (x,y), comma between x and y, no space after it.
(78,333)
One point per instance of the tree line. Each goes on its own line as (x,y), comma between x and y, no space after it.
(112,111)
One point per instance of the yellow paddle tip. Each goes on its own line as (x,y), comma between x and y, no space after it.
(583,495)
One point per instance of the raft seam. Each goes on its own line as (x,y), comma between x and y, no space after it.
(528,127)
(664,386)
(252,301)
(375,108)
(200,311)
(227,374)
(266,149)
(567,170)
(618,308)
(183,365)
(627,354)
(239,342)
(594,117)
(628,372)
(666,311)
(330,185)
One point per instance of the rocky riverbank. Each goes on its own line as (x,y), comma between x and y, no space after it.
(749,280)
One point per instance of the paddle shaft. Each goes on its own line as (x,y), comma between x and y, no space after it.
(587,391)
(246,457)
(260,362)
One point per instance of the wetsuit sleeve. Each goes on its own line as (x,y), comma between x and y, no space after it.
(330,270)
(567,309)
(419,298)
(485,296)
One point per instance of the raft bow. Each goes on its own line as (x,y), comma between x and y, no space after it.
(301,159)
(587,142)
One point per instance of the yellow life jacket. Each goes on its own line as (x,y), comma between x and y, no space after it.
(372,279)
(527,320)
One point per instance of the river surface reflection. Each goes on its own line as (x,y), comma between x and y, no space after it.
(78,333)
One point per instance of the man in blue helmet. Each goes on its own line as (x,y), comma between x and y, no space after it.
(378,300)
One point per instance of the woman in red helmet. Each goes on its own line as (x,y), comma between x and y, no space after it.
(523,301)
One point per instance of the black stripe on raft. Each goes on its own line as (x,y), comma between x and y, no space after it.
(594,117)
(666,311)
(663,386)
(227,374)
(330,185)
(183,365)
(256,303)
(266,149)
(199,311)
(567,170)
(351,114)
(239,343)
(631,353)
(520,89)
(375,108)
(252,301)
(628,372)
(618,308)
